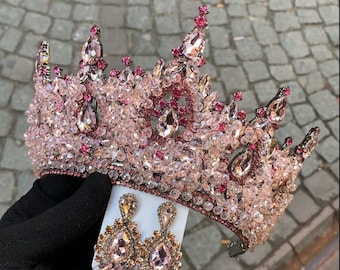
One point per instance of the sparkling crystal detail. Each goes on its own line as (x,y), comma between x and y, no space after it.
(160,258)
(167,123)
(128,205)
(241,165)
(87,119)
(120,247)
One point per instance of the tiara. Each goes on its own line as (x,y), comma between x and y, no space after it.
(166,133)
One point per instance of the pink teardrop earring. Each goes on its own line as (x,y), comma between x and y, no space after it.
(161,250)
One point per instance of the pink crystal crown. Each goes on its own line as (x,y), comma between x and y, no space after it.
(167,134)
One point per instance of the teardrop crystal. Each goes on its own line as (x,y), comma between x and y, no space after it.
(166,215)
(193,44)
(87,118)
(160,258)
(242,163)
(277,109)
(128,205)
(167,124)
(120,247)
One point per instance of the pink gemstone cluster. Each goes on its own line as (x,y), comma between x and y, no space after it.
(166,133)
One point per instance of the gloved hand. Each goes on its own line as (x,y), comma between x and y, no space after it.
(55,225)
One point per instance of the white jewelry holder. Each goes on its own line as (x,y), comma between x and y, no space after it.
(146,214)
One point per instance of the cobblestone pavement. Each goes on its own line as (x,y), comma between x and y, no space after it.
(253,46)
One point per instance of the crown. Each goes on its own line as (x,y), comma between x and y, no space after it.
(166,133)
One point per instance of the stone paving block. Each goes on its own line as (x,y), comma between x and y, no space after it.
(333,34)
(298,208)
(10,39)
(240,2)
(188,9)
(315,35)
(15,157)
(112,16)
(312,164)
(329,149)
(305,3)
(324,131)
(284,21)
(257,10)
(167,24)
(30,45)
(81,32)
(36,5)
(277,5)
(161,7)
(62,29)
(20,127)
(304,113)
(37,23)
(146,62)
(334,83)
(290,129)
(249,103)
(254,258)
(226,57)
(87,1)
(17,68)
(256,71)
(219,37)
(308,16)
(166,45)
(297,94)
(283,230)
(138,17)
(334,125)
(221,261)
(314,82)
(10,15)
(248,49)
(3,208)
(85,13)
(210,69)
(264,90)
(234,78)
(6,91)
(61,52)
(322,186)
(329,14)
(237,10)
(6,186)
(217,16)
(142,43)
(114,41)
(203,250)
(241,27)
(265,33)
(278,259)
(60,10)
(329,68)
(5,123)
(304,66)
(138,2)
(321,52)
(336,202)
(282,72)
(194,219)
(325,104)
(22,97)
(327,2)
(275,55)
(317,227)
(14,2)
(294,44)
(25,182)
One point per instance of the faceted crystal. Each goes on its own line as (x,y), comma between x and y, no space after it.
(167,123)
(120,247)
(128,205)
(160,258)
(87,119)
(277,109)
(242,163)
(166,215)
(193,44)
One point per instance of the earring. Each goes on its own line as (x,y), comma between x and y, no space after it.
(161,250)
(119,247)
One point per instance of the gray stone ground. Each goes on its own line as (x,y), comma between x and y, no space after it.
(253,46)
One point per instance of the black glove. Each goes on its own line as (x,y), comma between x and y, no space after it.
(55,225)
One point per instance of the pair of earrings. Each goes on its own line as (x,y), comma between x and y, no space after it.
(120,247)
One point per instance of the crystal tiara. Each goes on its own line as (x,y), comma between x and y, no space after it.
(165,133)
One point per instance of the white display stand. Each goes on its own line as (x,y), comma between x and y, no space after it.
(146,214)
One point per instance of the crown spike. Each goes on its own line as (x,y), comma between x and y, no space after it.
(42,63)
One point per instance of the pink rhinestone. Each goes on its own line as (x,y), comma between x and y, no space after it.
(87,97)
(173,104)
(219,106)
(260,112)
(159,154)
(182,121)
(44,70)
(221,127)
(237,96)
(162,103)
(252,147)
(114,72)
(242,115)
(203,9)
(176,51)
(299,150)
(57,70)
(101,64)
(289,141)
(286,91)
(203,62)
(275,126)
(126,60)
(182,110)
(138,71)
(94,30)
(84,149)
(177,92)
(221,188)
(201,22)
(156,113)
(81,63)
